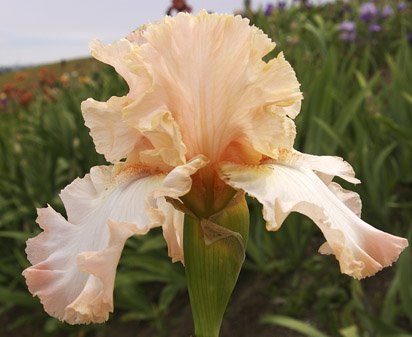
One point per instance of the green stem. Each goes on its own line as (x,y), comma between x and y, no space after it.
(214,252)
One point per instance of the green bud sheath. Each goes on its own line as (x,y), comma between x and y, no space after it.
(214,251)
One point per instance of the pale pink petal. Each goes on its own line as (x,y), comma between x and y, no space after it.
(172,227)
(136,36)
(113,137)
(96,299)
(268,131)
(164,135)
(208,71)
(178,181)
(278,86)
(123,57)
(74,261)
(349,198)
(361,249)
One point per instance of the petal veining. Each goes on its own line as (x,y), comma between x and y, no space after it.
(361,249)
(327,167)
(74,261)
(208,72)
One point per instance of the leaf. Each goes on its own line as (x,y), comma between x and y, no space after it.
(350,331)
(19,236)
(16,297)
(294,325)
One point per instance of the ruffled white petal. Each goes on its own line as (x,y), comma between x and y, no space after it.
(349,198)
(74,261)
(282,188)
(326,167)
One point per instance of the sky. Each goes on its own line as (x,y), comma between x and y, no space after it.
(43,31)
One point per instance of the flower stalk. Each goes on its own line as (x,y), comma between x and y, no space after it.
(214,251)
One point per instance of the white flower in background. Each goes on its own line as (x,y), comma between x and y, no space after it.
(204,115)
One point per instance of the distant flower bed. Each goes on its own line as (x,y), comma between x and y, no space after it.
(25,86)
(356,21)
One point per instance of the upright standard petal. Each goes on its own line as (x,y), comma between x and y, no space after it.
(74,261)
(127,63)
(208,71)
(361,249)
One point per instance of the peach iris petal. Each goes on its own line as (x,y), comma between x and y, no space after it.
(120,55)
(113,137)
(207,70)
(284,187)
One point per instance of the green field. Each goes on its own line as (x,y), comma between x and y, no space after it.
(357,104)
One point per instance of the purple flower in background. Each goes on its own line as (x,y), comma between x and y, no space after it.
(387,11)
(368,11)
(375,28)
(269,9)
(409,37)
(347,26)
(281,5)
(401,6)
(347,31)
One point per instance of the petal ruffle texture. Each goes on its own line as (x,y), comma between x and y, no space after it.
(282,188)
(163,133)
(120,55)
(74,261)
(326,167)
(207,70)
(113,137)
(178,182)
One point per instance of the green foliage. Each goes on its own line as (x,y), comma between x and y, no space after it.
(357,105)
(294,324)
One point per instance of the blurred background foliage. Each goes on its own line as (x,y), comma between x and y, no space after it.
(356,79)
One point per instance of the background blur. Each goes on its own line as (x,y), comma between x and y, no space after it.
(354,62)
(40,31)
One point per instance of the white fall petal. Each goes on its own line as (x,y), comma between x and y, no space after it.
(74,261)
(282,188)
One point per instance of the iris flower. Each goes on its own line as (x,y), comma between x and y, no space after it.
(205,116)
